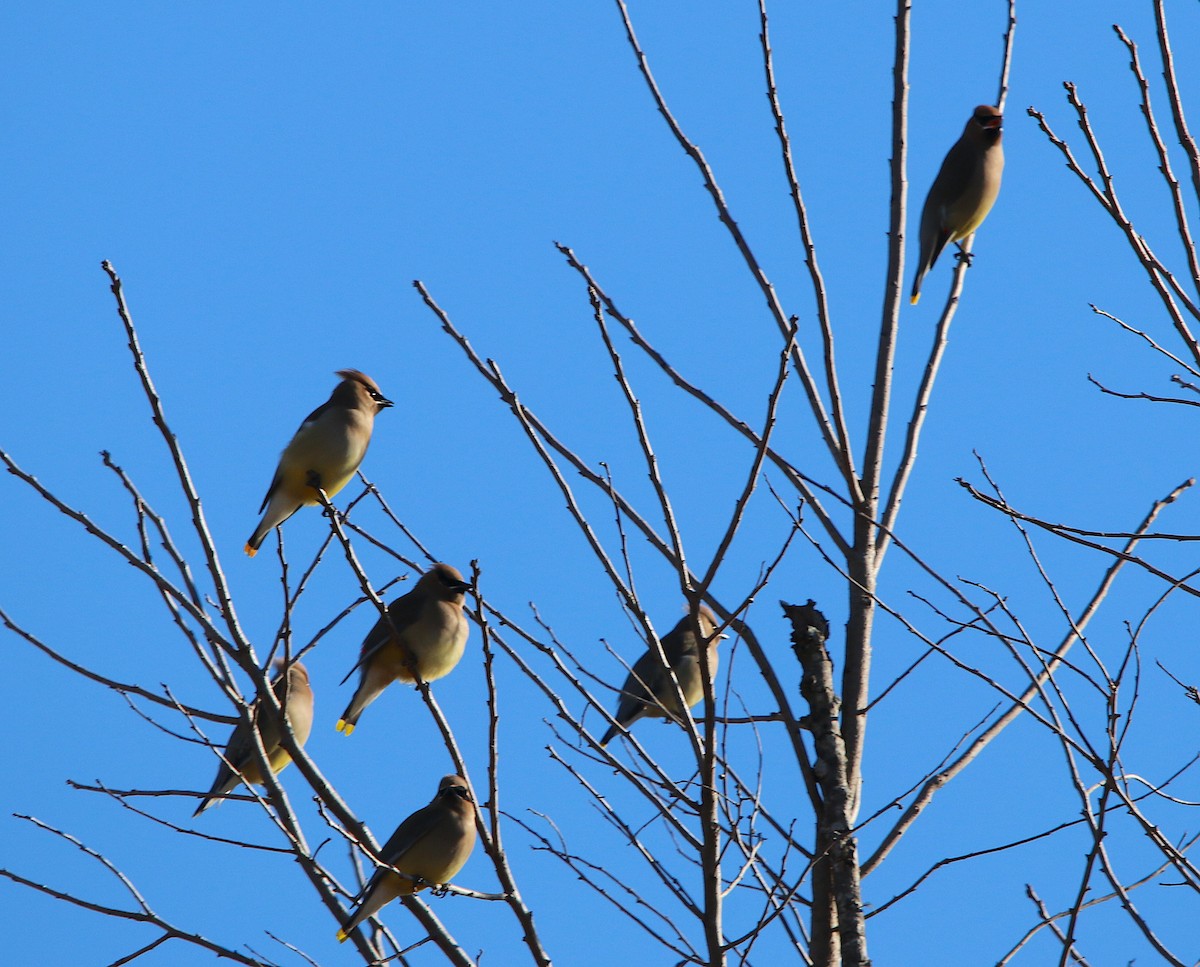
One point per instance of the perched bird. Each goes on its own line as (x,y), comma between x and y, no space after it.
(433,844)
(648,689)
(425,627)
(329,446)
(963,191)
(296,699)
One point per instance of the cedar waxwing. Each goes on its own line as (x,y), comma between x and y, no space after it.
(296,698)
(331,443)
(433,843)
(648,689)
(430,630)
(963,191)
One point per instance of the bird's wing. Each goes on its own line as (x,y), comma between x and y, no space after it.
(403,613)
(636,691)
(271,490)
(237,750)
(377,637)
(410,832)
(958,169)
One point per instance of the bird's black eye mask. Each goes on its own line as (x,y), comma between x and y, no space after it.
(453,583)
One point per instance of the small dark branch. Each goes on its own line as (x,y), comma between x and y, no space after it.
(1019,704)
(1190,690)
(1148,339)
(1049,921)
(437,932)
(345,613)
(1184,384)
(837,847)
(1140,396)
(898,800)
(951,860)
(1071,162)
(293,948)
(394,518)
(141,951)
(198,613)
(284,635)
(1162,280)
(619,894)
(1175,99)
(1068,533)
(805,486)
(146,512)
(492,841)
(1097,821)
(668,517)
(619,523)
(1009,33)
(810,250)
(916,423)
(975,624)
(153,723)
(743,246)
(636,781)
(541,439)
(1062,607)
(224,598)
(752,478)
(1164,158)
(123,795)
(1059,528)
(122,688)
(663,805)
(141,915)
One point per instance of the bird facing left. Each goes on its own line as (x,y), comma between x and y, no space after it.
(326,451)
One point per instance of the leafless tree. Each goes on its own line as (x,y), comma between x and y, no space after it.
(766,842)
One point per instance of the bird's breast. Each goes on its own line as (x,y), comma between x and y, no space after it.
(438,639)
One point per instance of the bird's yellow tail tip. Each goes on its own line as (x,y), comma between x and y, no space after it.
(345,727)
(915,299)
(250,551)
(341,936)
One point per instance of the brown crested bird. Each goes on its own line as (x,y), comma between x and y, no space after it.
(295,697)
(432,844)
(648,689)
(963,191)
(326,450)
(426,627)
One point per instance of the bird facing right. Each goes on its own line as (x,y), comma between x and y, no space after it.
(648,689)
(425,627)
(433,843)
(295,697)
(329,446)
(963,191)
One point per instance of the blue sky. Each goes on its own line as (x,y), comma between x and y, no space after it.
(269,181)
